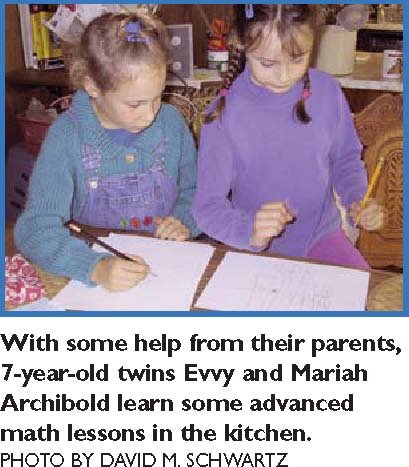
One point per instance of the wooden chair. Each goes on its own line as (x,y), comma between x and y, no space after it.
(192,108)
(201,104)
(379,127)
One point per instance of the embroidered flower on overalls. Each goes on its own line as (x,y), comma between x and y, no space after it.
(159,155)
(124,223)
(135,222)
(91,157)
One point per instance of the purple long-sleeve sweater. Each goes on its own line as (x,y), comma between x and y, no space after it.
(258,152)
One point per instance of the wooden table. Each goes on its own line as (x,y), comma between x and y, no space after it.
(376,275)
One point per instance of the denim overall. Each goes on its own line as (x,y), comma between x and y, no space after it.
(126,201)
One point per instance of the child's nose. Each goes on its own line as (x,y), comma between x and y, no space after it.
(284,72)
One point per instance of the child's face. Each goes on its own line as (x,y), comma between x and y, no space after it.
(272,68)
(133,105)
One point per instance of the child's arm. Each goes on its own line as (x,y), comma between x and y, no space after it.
(212,209)
(187,175)
(348,173)
(39,233)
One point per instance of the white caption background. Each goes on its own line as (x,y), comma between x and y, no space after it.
(372,434)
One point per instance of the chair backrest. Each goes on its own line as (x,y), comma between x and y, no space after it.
(384,112)
(201,103)
(379,127)
(192,108)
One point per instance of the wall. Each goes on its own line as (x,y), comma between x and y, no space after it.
(180,14)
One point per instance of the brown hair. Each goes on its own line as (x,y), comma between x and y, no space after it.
(105,52)
(286,19)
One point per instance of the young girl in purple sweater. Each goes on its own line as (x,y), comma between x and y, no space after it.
(276,144)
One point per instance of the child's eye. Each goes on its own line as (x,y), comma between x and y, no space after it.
(298,59)
(134,106)
(268,64)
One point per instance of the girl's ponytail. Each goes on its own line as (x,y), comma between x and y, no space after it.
(299,108)
(235,67)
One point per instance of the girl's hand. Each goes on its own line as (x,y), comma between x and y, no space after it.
(117,274)
(269,222)
(372,217)
(171,228)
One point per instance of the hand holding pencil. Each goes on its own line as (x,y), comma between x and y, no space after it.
(115,273)
(367,213)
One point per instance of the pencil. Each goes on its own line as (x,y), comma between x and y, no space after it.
(76,228)
(371,186)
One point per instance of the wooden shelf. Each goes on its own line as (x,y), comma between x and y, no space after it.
(32,77)
(59,78)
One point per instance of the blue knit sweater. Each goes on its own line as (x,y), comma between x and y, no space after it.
(58,183)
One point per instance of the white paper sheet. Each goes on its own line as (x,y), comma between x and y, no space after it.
(178,267)
(245,282)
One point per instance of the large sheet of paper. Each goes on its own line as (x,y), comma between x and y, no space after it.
(178,267)
(247,282)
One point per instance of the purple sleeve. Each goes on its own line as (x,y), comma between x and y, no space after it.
(348,173)
(212,209)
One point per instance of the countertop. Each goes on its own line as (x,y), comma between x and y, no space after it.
(384,26)
(367,74)
(201,76)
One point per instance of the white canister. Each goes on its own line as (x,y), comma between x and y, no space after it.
(218,60)
(336,50)
(392,64)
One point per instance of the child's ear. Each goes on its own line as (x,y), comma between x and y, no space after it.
(91,88)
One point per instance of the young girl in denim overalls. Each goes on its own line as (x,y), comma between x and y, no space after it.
(278,140)
(117,159)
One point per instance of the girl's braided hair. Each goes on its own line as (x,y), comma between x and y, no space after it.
(248,31)
(106,52)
